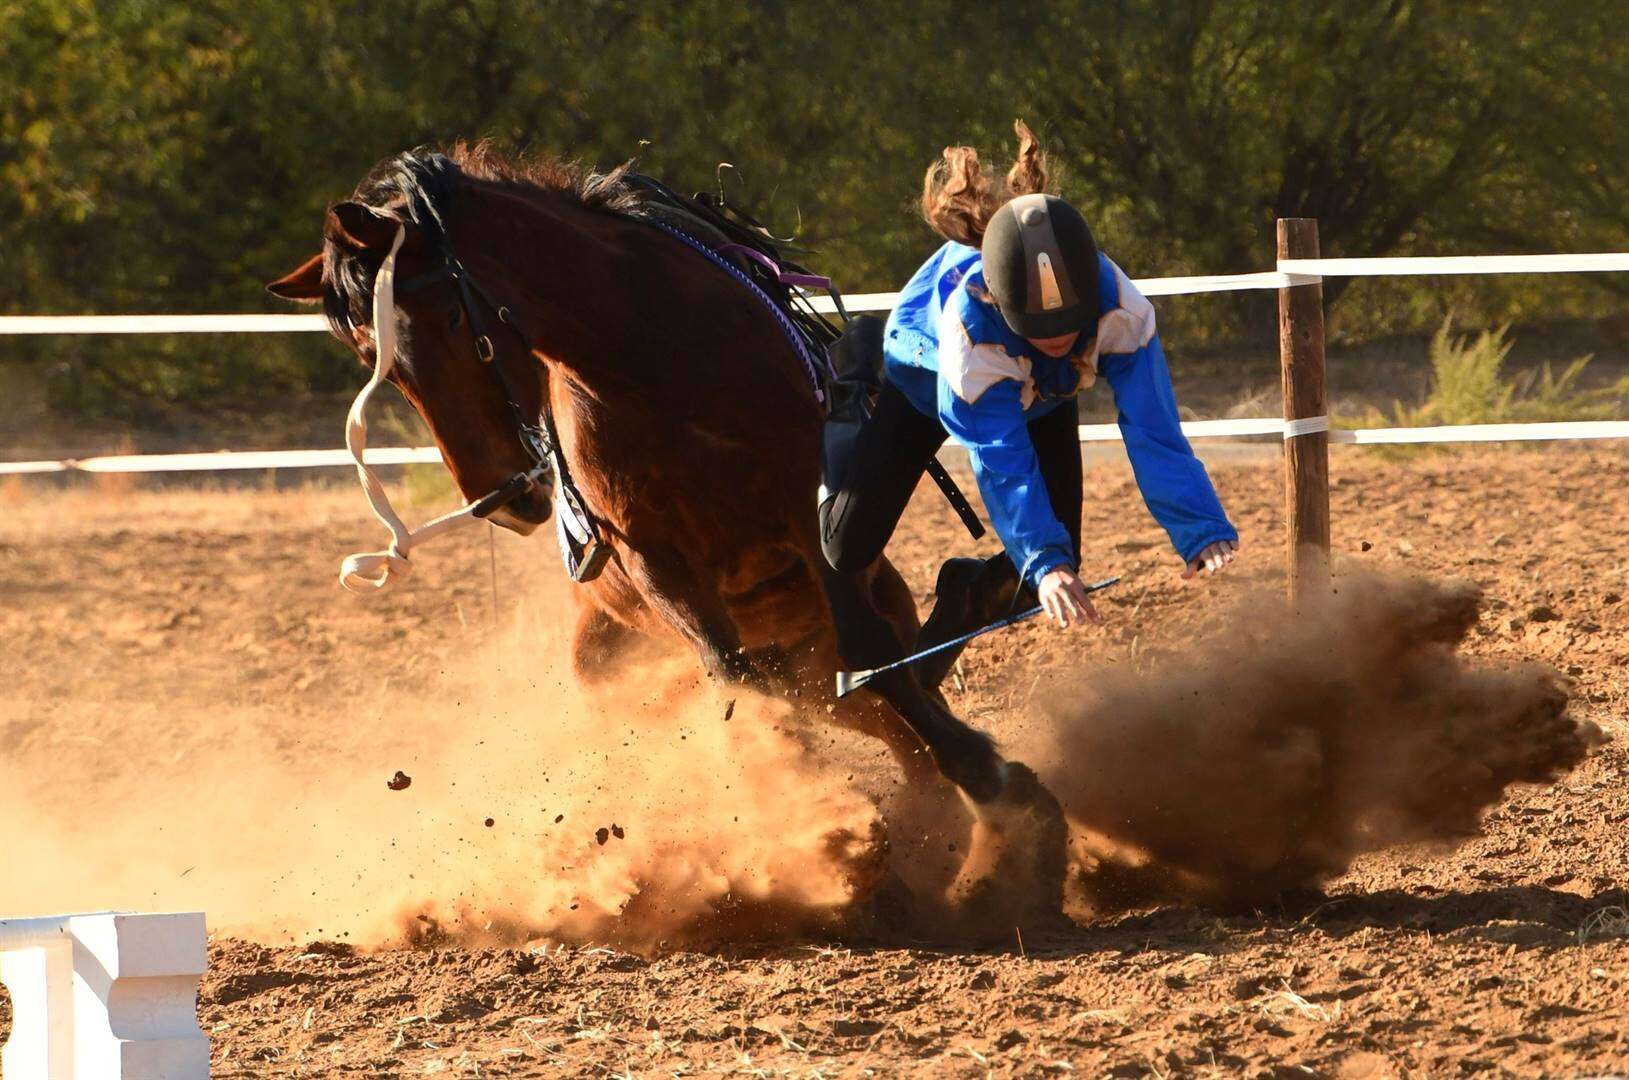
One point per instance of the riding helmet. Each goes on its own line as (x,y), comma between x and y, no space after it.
(1040,264)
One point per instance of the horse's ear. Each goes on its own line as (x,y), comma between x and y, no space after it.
(303,283)
(359,228)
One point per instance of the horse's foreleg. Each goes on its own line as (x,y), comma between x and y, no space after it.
(597,643)
(693,608)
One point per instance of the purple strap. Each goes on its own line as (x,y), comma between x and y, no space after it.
(811,366)
(785,277)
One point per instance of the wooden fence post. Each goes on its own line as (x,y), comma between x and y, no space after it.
(1306,456)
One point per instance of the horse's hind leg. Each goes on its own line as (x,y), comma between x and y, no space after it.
(1015,867)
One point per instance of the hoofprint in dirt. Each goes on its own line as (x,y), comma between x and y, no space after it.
(154,639)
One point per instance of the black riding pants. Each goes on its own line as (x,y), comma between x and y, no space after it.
(891,452)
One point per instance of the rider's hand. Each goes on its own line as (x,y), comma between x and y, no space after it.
(1066,600)
(1212,559)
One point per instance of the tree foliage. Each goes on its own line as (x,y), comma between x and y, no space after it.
(170,157)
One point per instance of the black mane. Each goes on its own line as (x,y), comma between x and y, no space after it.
(424,186)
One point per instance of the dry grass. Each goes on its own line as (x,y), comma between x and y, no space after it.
(35,508)
(14,492)
(113,486)
(1286,1002)
(1264,400)
(1608,922)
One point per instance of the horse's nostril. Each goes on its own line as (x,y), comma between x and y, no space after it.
(522,516)
(534,506)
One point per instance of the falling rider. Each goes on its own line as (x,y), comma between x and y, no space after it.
(991,341)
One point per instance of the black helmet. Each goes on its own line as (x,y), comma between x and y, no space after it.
(1040,263)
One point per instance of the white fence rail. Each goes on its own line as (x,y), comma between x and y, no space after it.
(1430,265)
(104,997)
(24,325)
(225,461)
(1289,272)
(19,325)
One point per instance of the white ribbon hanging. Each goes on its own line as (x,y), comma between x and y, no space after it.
(374,569)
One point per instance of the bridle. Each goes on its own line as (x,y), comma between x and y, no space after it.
(584,552)
(473,300)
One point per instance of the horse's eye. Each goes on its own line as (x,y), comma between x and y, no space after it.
(455,318)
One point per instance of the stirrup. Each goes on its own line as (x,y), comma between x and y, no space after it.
(591,563)
(581,548)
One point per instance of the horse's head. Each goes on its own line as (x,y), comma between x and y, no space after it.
(448,342)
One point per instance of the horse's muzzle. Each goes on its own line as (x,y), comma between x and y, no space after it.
(521,503)
(526,511)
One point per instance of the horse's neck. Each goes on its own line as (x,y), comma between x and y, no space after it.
(557,263)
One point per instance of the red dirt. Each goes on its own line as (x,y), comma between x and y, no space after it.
(185,664)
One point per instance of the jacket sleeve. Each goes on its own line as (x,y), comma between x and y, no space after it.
(1174,484)
(996,435)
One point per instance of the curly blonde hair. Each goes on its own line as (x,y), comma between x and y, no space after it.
(959,194)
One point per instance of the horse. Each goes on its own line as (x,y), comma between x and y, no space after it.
(683,412)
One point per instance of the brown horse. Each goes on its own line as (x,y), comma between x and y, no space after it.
(690,427)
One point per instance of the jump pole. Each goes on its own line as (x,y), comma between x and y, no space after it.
(1306,414)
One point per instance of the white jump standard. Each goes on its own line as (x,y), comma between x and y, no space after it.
(110,996)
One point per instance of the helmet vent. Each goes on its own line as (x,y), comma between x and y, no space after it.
(1051,296)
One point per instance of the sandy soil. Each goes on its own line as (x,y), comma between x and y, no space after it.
(193,715)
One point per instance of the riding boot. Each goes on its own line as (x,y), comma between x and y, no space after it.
(856,361)
(970,593)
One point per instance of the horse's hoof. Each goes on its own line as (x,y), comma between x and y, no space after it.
(862,856)
(889,912)
(1014,873)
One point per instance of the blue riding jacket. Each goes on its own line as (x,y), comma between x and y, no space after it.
(953,356)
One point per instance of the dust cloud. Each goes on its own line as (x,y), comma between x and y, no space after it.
(1264,758)
(1261,759)
(649,811)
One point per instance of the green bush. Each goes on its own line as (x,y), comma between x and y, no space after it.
(1469,386)
(173,157)
(431,487)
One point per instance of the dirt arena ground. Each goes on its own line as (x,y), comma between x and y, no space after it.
(193,715)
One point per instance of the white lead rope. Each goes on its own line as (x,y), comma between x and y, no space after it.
(374,569)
